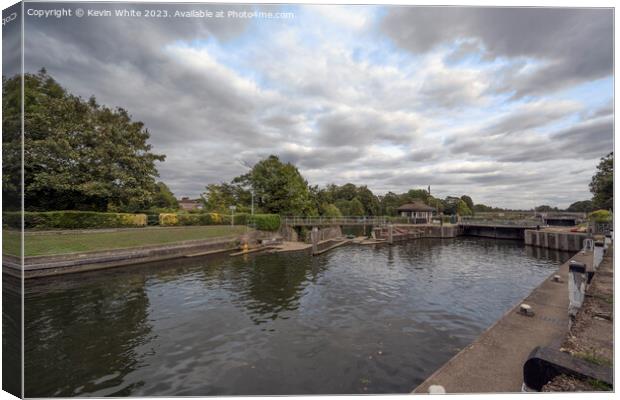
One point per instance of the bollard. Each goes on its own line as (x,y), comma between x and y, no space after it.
(314,237)
(576,288)
(436,389)
(526,309)
(599,250)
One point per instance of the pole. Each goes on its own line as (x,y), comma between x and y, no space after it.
(314,237)
(252,201)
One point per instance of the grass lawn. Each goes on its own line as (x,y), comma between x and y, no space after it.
(38,244)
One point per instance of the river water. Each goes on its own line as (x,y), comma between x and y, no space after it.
(358,319)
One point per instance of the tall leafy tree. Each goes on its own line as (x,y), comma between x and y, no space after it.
(462,208)
(79,154)
(581,206)
(164,198)
(356,207)
(468,201)
(279,188)
(602,184)
(219,197)
(330,210)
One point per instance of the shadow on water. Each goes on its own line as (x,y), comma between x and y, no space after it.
(11,335)
(354,320)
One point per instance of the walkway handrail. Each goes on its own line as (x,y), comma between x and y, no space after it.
(349,220)
(520,223)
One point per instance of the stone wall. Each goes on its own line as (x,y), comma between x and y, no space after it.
(567,241)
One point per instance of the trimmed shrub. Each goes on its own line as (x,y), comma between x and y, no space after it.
(73,220)
(264,222)
(168,219)
(600,216)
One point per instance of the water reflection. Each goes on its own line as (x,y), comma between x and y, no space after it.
(373,319)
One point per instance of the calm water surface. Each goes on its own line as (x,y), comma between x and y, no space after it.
(354,320)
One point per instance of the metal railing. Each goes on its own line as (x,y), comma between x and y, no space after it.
(353,220)
(496,222)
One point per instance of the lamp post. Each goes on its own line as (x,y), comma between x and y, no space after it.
(252,201)
(232,215)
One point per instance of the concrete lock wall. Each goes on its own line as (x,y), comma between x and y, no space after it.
(566,241)
(494,232)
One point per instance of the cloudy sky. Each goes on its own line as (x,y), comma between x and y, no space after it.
(511,106)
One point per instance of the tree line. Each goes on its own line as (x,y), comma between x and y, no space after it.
(278,187)
(80,155)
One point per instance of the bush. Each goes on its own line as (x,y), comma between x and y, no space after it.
(168,219)
(73,220)
(600,216)
(200,219)
(265,222)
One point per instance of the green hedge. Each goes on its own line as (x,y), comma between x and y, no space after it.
(265,222)
(189,219)
(73,220)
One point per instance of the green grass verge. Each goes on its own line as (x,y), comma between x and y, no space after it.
(48,244)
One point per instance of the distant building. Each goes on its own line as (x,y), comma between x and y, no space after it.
(417,211)
(188,204)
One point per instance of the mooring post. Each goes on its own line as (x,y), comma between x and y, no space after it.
(390,233)
(576,288)
(599,250)
(314,236)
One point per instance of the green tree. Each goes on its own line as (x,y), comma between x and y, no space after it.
(468,201)
(482,208)
(356,208)
(602,184)
(369,201)
(219,197)
(451,205)
(346,192)
(164,198)
(279,188)
(344,206)
(462,209)
(418,194)
(330,210)
(581,206)
(389,203)
(546,208)
(78,154)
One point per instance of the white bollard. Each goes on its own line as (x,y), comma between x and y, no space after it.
(576,287)
(436,389)
(526,309)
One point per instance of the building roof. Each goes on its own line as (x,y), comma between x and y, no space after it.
(188,200)
(417,206)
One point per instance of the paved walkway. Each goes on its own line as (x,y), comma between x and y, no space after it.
(494,361)
(592,335)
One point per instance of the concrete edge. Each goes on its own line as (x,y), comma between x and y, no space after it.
(478,339)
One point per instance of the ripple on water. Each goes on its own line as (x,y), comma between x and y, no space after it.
(354,320)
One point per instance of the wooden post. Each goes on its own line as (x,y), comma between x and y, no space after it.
(314,236)
(390,233)
(576,288)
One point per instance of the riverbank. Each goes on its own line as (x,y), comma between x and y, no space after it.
(494,361)
(47,243)
(591,337)
(168,244)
